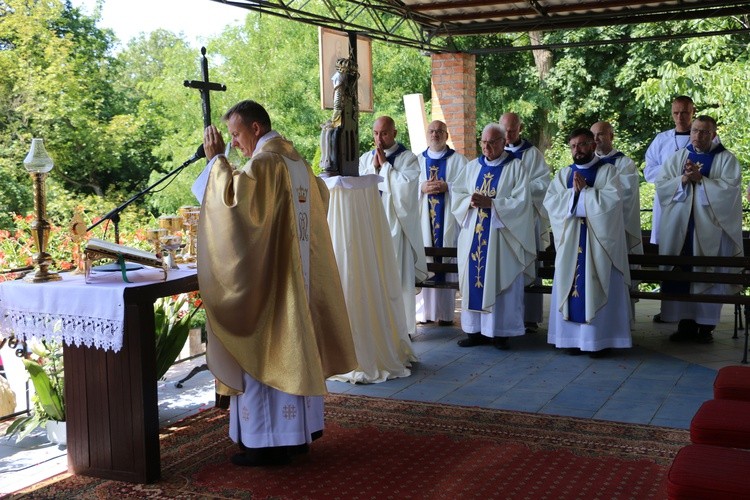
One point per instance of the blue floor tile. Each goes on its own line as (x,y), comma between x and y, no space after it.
(519,400)
(626,411)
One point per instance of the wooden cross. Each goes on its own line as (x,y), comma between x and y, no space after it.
(205,86)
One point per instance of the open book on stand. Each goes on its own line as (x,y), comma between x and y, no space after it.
(100,249)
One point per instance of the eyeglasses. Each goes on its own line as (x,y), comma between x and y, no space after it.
(493,141)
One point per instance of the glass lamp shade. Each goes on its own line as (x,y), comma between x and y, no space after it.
(38,161)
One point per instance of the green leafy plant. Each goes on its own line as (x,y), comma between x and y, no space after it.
(45,368)
(173,317)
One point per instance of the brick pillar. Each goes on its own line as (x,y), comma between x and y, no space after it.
(454,99)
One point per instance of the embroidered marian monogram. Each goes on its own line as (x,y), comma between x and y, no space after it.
(487,181)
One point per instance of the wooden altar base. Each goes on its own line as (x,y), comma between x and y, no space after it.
(111,398)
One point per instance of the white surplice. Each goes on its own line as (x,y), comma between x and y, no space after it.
(435,304)
(607,308)
(534,163)
(510,249)
(661,148)
(716,207)
(399,197)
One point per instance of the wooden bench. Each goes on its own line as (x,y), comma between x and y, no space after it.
(648,270)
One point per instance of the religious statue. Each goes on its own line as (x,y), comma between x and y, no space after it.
(339,141)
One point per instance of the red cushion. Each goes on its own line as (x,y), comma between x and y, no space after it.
(732,382)
(710,472)
(722,422)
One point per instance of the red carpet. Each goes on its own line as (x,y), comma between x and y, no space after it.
(382,448)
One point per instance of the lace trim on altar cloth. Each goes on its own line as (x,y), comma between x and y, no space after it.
(74,330)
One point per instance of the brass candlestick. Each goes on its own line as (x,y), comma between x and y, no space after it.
(38,164)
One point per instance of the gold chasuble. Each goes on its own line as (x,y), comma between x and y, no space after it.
(251,276)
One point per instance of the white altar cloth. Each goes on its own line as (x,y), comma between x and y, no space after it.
(370,280)
(71,310)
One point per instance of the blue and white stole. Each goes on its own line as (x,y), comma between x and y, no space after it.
(436,170)
(486,184)
(518,153)
(612,158)
(704,161)
(577,295)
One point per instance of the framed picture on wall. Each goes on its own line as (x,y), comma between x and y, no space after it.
(334,45)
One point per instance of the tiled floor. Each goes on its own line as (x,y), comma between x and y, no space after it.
(657,382)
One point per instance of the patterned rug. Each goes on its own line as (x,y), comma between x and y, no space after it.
(383,448)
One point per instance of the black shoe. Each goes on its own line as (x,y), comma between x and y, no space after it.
(705,335)
(573,351)
(683,336)
(599,354)
(262,457)
(501,343)
(445,323)
(300,449)
(473,339)
(531,327)
(657,318)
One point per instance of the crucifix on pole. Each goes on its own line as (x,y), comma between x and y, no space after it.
(205,86)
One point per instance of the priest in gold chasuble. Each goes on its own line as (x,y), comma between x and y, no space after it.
(277,319)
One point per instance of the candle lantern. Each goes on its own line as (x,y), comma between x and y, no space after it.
(38,163)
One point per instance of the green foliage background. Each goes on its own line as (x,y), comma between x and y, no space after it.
(115,121)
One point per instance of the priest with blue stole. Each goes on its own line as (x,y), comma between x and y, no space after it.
(701,200)
(493,206)
(590,304)
(440,168)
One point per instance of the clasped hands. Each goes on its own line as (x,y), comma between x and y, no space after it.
(579,182)
(691,172)
(213,142)
(434,186)
(479,200)
(380,159)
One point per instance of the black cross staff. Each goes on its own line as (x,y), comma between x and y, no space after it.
(205,86)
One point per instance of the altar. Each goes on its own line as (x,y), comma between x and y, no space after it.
(110,362)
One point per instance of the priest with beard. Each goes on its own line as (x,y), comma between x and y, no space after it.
(492,204)
(440,168)
(701,200)
(277,319)
(589,307)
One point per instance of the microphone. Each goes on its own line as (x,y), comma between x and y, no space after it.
(199,153)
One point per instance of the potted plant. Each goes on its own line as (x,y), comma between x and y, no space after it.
(45,368)
(173,317)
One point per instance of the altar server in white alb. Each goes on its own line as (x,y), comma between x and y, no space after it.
(493,206)
(663,146)
(701,200)
(399,169)
(589,307)
(440,167)
(533,161)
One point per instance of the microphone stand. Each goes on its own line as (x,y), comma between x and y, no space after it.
(114,214)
